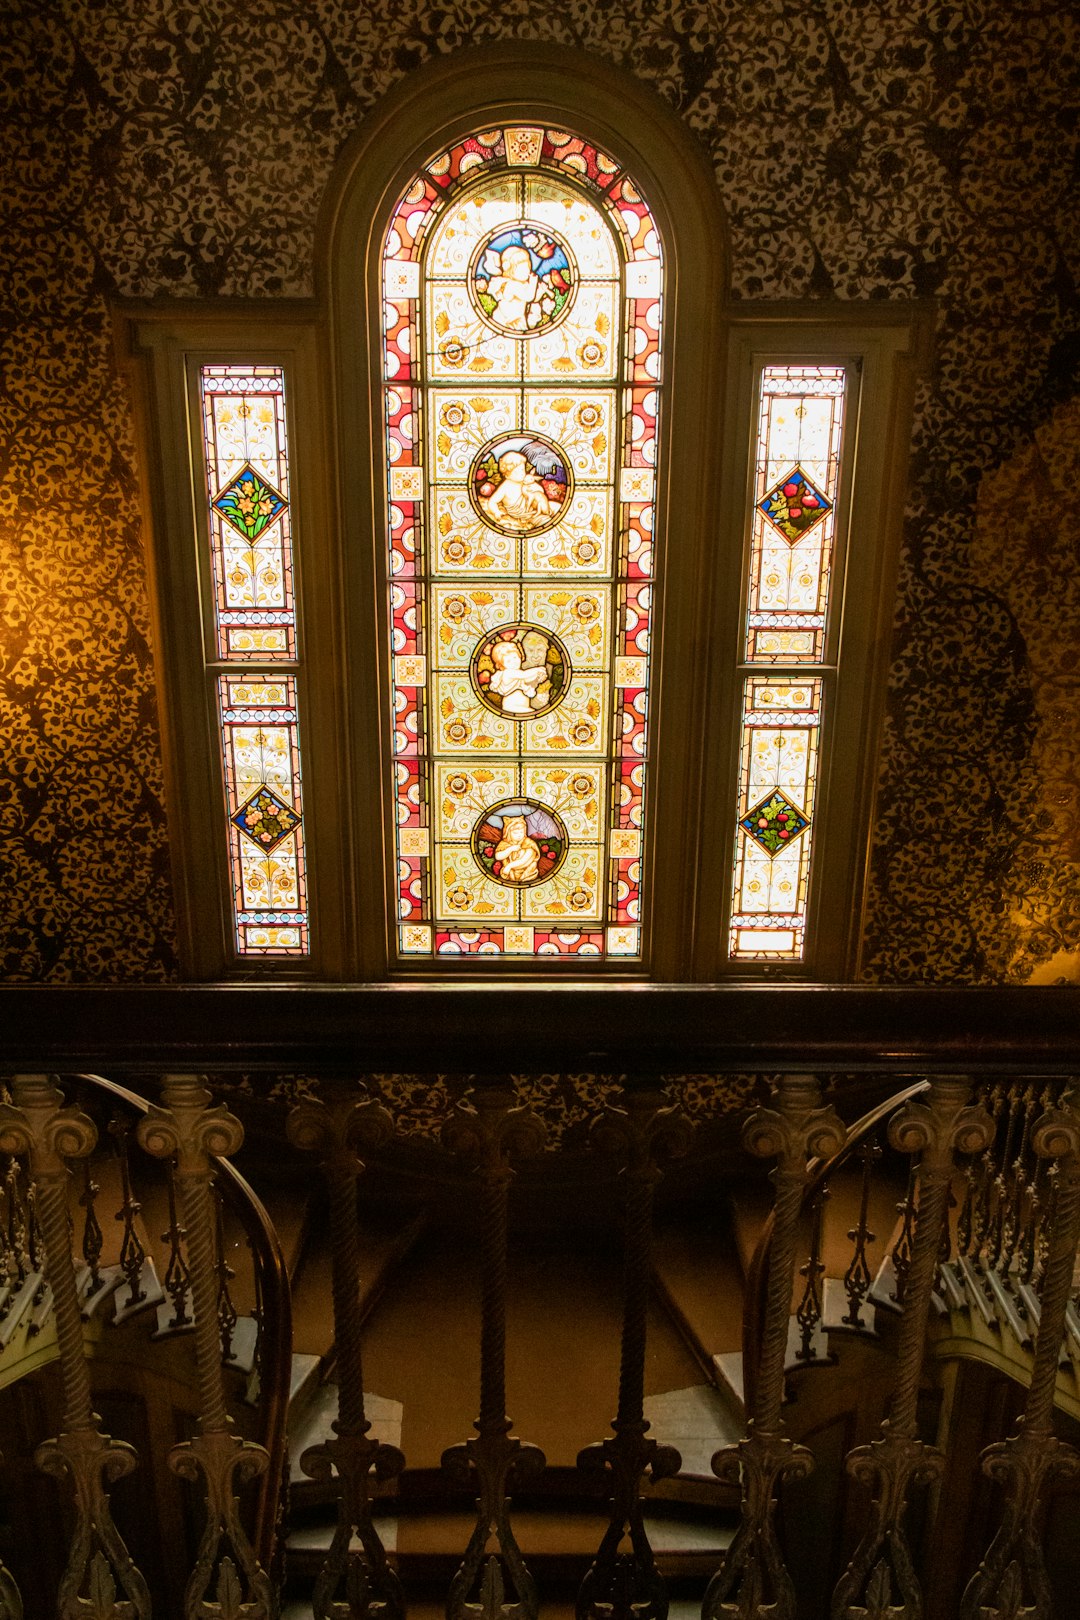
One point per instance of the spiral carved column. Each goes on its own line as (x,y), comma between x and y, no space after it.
(369,1589)
(753,1582)
(38,1124)
(487,1133)
(626,1585)
(190,1130)
(880,1582)
(1011,1582)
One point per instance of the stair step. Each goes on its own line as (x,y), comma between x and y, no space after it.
(313,1424)
(698,1421)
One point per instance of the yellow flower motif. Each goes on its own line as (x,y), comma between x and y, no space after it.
(459,898)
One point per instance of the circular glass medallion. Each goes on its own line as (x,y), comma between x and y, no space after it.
(520,670)
(522,279)
(519,842)
(520,483)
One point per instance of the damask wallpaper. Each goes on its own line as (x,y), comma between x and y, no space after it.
(862,148)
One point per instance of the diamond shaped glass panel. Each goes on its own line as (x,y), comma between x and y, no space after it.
(775,823)
(249,503)
(266,819)
(794,506)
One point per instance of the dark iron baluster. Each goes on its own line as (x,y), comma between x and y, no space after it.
(858,1277)
(93,1239)
(227,1314)
(369,1589)
(486,1133)
(132,1253)
(177,1279)
(936,1130)
(808,1313)
(193,1131)
(1024,1464)
(38,1124)
(626,1585)
(901,1254)
(1003,1180)
(753,1582)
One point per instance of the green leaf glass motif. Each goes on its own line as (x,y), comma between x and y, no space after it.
(249,503)
(795,506)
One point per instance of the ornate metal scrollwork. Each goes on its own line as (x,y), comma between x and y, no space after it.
(355,1582)
(882,1561)
(753,1582)
(487,1132)
(38,1124)
(1011,1582)
(625,1585)
(188,1128)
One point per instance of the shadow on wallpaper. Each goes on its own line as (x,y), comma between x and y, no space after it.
(886,151)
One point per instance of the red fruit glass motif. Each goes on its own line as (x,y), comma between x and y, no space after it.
(794,506)
(774,823)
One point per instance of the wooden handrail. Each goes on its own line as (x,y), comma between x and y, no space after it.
(820,1171)
(275,1325)
(491,1028)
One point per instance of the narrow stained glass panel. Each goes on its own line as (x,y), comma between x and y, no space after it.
(247,472)
(777,780)
(265,813)
(796,488)
(522,343)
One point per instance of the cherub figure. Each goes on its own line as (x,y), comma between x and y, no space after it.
(520,502)
(515,686)
(515,287)
(517,855)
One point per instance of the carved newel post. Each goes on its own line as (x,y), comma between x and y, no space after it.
(1011,1582)
(193,1131)
(487,1133)
(880,1582)
(39,1125)
(626,1585)
(753,1582)
(370,1589)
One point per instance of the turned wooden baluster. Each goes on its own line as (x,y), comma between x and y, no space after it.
(370,1589)
(37,1123)
(193,1131)
(487,1133)
(626,1585)
(1024,1464)
(753,1582)
(936,1130)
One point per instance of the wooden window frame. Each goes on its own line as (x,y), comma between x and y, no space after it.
(330,347)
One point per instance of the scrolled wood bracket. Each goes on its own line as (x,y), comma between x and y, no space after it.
(1011,1582)
(37,1123)
(880,1579)
(626,1585)
(753,1582)
(486,1132)
(190,1130)
(355,1582)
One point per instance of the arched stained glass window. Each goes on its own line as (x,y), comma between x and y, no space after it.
(522,290)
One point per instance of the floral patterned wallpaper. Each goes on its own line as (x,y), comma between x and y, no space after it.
(862,148)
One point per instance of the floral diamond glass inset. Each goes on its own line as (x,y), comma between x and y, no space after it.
(249,503)
(266,819)
(794,505)
(774,823)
